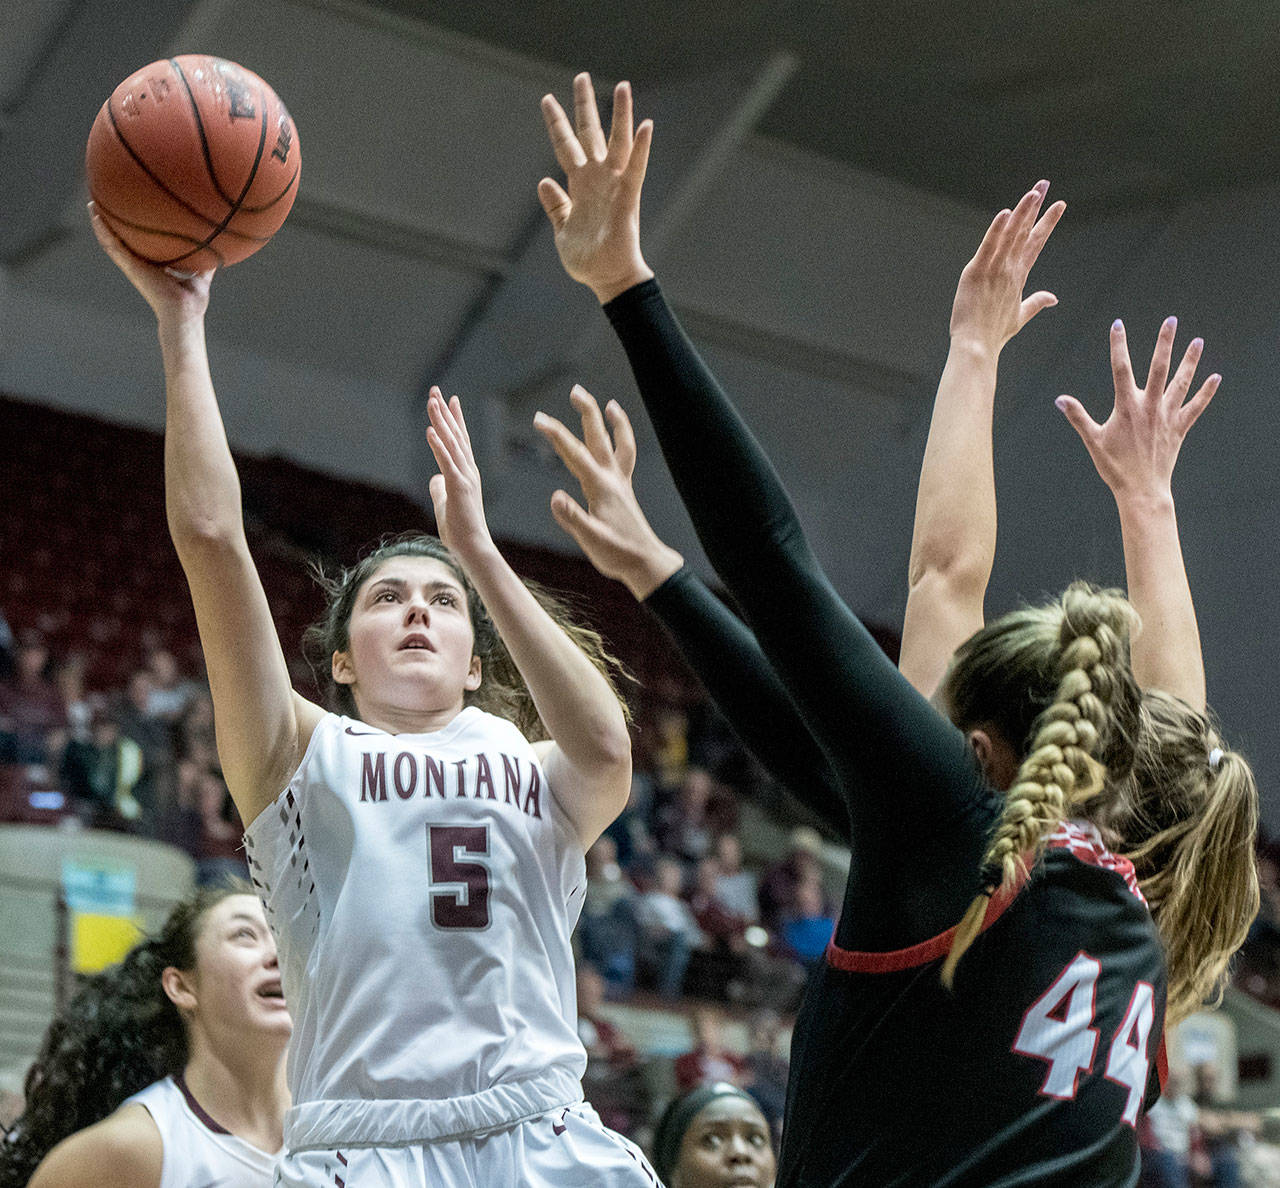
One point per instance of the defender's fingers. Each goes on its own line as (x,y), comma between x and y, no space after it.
(1160,357)
(1035,304)
(1121,365)
(444,429)
(624,437)
(1024,214)
(991,243)
(620,129)
(1190,412)
(575,456)
(1039,234)
(639,162)
(563,141)
(1180,384)
(586,117)
(557,204)
(594,433)
(1078,419)
(575,520)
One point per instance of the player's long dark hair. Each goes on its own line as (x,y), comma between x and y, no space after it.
(502,689)
(118,1034)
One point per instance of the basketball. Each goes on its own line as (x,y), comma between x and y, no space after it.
(193,162)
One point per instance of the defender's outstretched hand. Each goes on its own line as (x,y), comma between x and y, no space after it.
(455,491)
(596,214)
(179,296)
(989,307)
(1134,451)
(612,531)
(1136,447)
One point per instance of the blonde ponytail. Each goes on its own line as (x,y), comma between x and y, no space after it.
(1078,649)
(1189,827)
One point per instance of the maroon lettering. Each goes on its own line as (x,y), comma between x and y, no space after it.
(373,777)
(534,798)
(484,777)
(461,765)
(435,775)
(511,772)
(405,788)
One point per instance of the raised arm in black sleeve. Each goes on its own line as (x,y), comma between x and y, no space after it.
(725,655)
(918,809)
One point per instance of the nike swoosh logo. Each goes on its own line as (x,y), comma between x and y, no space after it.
(363,733)
(556,1128)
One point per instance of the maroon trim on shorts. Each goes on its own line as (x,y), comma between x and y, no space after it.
(196,1108)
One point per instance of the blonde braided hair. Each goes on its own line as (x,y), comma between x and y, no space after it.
(1064,666)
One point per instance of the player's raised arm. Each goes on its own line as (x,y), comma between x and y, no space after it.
(262,725)
(614,533)
(589,762)
(1135,450)
(954,540)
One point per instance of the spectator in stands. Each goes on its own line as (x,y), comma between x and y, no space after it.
(153,736)
(613,1083)
(32,716)
(720,924)
(708,1060)
(194,731)
(778,887)
(681,823)
(808,927)
(7,648)
(1222,1128)
(170,692)
(607,930)
(736,888)
(78,704)
(766,1069)
(1166,1134)
(712,1137)
(221,852)
(668,931)
(630,831)
(99,774)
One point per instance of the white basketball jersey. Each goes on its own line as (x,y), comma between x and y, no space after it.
(198,1153)
(422,889)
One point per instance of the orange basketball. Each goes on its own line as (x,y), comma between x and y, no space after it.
(193,162)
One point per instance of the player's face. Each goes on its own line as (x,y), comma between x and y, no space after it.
(410,639)
(236,981)
(726,1146)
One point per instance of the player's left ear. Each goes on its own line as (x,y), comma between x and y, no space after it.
(996,757)
(178,988)
(343,670)
(473,675)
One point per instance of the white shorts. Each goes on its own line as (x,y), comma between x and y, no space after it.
(567,1148)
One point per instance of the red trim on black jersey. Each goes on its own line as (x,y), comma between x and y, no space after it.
(1078,838)
(1162,1064)
(852,961)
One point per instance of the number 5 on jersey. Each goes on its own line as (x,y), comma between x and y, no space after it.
(459,883)
(1058,1028)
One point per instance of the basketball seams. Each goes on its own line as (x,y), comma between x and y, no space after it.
(235,208)
(160,185)
(116,219)
(266,206)
(204,140)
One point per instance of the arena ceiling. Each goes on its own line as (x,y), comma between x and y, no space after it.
(1123,104)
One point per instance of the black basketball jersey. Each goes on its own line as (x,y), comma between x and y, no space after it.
(1033,1070)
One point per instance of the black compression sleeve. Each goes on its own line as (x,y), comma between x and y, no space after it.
(906,773)
(724,653)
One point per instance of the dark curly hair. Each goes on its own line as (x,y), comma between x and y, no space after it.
(502,689)
(117,1035)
